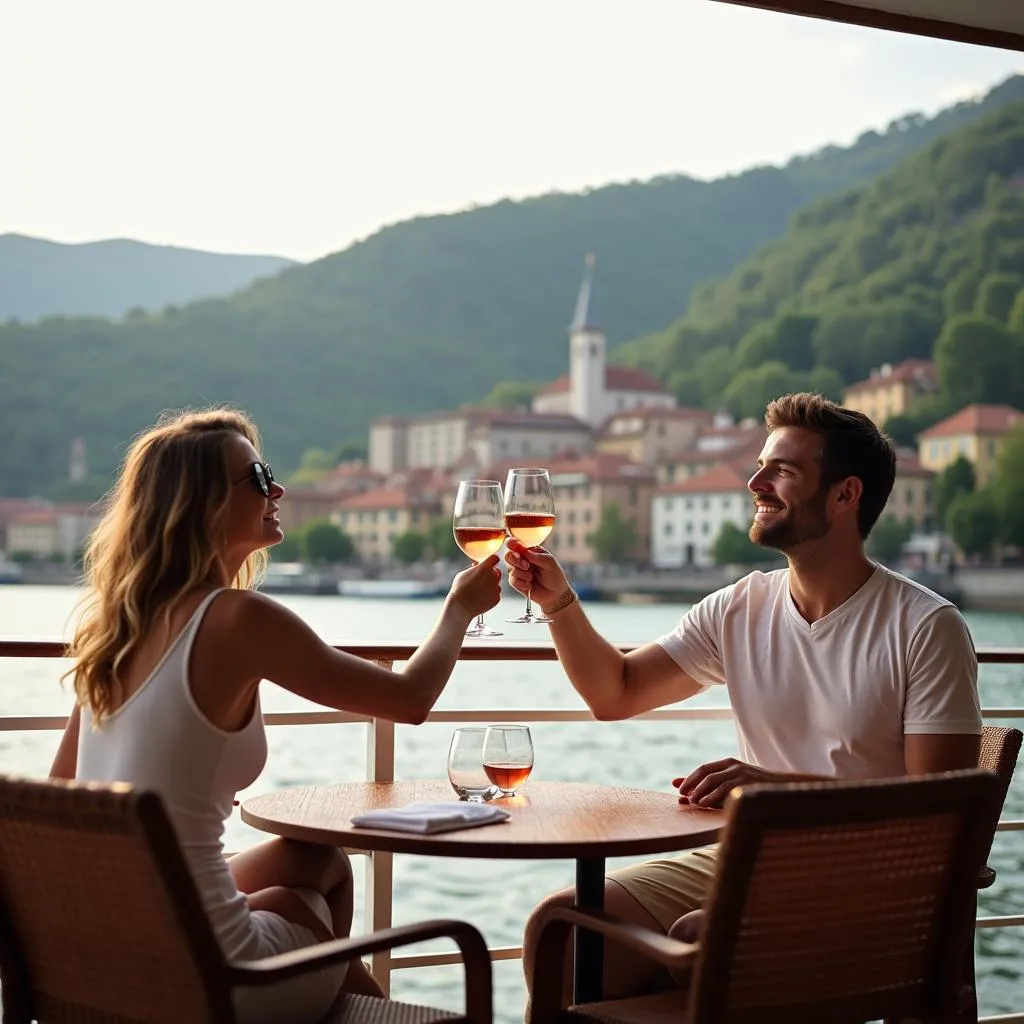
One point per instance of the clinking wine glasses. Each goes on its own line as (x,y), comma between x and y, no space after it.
(529,516)
(479,527)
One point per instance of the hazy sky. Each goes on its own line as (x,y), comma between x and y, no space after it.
(296,127)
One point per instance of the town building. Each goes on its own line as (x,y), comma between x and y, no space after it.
(911,497)
(687,516)
(582,488)
(976,432)
(890,390)
(649,434)
(374,519)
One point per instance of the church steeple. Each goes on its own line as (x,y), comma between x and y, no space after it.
(585,319)
(587,393)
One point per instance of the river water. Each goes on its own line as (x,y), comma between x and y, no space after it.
(497,895)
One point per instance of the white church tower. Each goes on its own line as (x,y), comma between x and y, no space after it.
(587,398)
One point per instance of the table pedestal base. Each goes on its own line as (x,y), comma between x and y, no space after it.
(588,970)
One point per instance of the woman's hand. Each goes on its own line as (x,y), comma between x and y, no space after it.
(477,589)
(535,571)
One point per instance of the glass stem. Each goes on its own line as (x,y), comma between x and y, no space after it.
(529,605)
(479,621)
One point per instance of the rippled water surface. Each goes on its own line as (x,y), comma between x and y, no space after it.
(497,895)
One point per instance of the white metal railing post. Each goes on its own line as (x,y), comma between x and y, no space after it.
(380,767)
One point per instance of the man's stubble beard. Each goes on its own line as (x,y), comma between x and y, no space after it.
(797,526)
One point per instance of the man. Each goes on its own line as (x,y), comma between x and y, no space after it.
(836,667)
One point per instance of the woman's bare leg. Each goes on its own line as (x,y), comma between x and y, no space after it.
(287,864)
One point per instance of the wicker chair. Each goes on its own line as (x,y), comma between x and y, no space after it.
(100,923)
(833,902)
(999,750)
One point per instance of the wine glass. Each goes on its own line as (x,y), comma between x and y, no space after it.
(508,756)
(529,516)
(479,527)
(465,765)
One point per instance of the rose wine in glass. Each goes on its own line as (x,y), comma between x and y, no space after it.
(508,756)
(529,516)
(479,527)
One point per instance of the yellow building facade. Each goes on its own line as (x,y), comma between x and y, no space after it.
(976,432)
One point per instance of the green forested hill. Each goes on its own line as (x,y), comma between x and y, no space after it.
(927,260)
(424,315)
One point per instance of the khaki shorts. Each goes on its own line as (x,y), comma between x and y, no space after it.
(669,888)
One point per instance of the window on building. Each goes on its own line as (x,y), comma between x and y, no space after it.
(727,502)
(632,495)
(991,448)
(667,531)
(689,526)
(393,515)
(933,449)
(667,504)
(572,540)
(689,503)
(587,515)
(910,495)
(705,527)
(705,503)
(661,430)
(572,516)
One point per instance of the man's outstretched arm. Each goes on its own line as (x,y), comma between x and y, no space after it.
(614,685)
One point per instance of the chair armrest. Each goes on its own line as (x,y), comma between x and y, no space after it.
(552,944)
(475,957)
(986,877)
(271,969)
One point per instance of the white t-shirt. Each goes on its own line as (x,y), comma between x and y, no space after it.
(834,697)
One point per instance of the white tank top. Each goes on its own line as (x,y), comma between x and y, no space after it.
(159,740)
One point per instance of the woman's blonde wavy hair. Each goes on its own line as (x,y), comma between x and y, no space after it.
(157,540)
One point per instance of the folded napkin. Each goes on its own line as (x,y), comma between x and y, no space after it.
(425,817)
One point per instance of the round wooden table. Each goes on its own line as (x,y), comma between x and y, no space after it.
(549,820)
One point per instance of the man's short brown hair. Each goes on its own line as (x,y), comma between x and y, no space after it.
(852,445)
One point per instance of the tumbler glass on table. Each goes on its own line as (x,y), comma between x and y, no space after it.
(465,765)
(508,756)
(479,526)
(529,516)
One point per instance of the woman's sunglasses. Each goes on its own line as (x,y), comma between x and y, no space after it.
(260,476)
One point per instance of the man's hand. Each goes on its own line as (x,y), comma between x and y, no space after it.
(535,571)
(709,785)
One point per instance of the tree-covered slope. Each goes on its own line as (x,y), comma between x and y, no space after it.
(423,315)
(926,261)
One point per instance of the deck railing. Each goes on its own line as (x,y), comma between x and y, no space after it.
(380,763)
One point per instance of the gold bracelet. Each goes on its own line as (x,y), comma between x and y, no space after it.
(568,598)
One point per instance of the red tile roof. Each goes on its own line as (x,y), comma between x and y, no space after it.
(393,497)
(908,464)
(977,419)
(657,412)
(919,370)
(527,421)
(616,378)
(723,477)
(603,467)
(12,507)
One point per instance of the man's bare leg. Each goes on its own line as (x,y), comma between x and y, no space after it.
(625,973)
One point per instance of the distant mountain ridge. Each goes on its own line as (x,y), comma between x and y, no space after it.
(424,315)
(40,278)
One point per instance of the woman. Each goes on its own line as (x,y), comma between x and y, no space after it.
(169,655)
